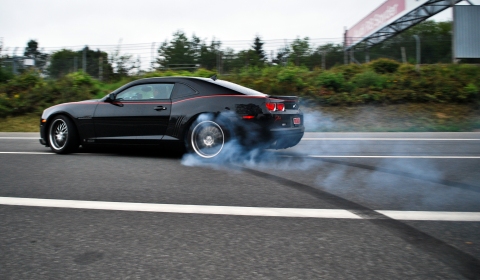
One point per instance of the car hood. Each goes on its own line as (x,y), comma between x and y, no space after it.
(90,100)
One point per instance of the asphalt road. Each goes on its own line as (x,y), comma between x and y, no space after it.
(336,206)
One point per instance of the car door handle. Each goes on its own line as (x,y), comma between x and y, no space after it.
(159,108)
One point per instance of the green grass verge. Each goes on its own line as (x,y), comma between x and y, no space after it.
(26,123)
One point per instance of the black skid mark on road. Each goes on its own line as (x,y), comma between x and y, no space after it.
(465,264)
(405,174)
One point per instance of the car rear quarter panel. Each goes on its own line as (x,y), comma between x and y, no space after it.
(185,111)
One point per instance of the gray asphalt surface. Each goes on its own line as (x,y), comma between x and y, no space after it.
(417,172)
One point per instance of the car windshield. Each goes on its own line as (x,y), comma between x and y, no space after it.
(239,88)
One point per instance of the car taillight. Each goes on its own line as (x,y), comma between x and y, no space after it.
(297,121)
(275,106)
(271,106)
(280,107)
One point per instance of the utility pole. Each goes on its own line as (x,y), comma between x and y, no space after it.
(1,48)
(454,59)
(367,55)
(345,54)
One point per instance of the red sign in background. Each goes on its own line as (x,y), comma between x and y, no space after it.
(375,20)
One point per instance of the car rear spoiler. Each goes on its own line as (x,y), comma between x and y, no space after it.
(291,102)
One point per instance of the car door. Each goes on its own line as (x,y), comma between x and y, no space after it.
(138,114)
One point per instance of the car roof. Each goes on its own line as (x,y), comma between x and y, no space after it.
(222,83)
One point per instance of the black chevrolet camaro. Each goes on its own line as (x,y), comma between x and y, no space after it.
(201,113)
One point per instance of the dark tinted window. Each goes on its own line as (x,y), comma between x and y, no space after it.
(182,90)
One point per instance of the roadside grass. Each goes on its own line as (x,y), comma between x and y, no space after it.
(25,123)
(372,118)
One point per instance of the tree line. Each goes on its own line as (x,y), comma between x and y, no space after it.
(183,53)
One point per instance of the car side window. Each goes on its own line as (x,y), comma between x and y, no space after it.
(162,91)
(182,90)
(146,92)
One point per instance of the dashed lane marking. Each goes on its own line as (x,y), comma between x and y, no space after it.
(432,215)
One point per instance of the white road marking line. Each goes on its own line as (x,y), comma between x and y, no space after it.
(186,209)
(20,138)
(313,139)
(414,157)
(28,153)
(432,216)
(385,139)
(238,211)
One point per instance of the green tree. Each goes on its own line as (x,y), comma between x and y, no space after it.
(32,52)
(333,54)
(178,53)
(231,60)
(63,62)
(209,55)
(122,65)
(67,61)
(300,51)
(258,48)
(282,56)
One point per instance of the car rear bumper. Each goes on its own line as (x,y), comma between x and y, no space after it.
(283,138)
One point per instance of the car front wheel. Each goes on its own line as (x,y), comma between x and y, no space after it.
(62,135)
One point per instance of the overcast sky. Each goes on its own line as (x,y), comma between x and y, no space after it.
(102,24)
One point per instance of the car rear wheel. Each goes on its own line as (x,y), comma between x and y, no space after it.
(207,138)
(62,135)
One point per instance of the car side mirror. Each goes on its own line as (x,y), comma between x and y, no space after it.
(110,97)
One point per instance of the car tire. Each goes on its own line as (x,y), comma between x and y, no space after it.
(62,135)
(207,138)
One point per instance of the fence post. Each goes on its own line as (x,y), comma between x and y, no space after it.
(404,55)
(417,38)
(100,67)
(85,59)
